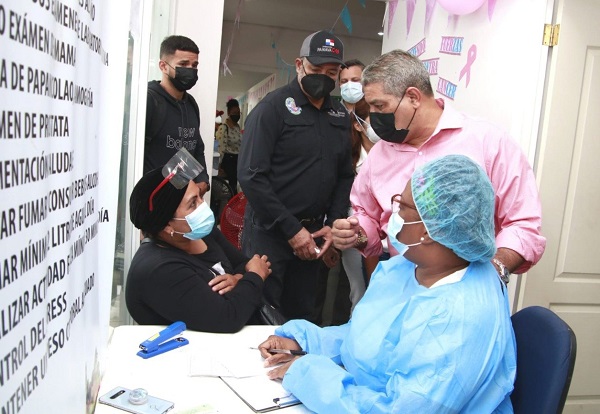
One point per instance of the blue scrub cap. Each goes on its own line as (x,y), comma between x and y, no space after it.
(455,200)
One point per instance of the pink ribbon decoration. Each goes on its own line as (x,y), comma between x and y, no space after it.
(491,7)
(471,56)
(391,11)
(410,11)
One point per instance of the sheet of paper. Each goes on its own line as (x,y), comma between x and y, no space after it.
(237,362)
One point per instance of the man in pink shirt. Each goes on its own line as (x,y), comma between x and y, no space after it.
(415,128)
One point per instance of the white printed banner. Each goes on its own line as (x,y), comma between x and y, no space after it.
(62,82)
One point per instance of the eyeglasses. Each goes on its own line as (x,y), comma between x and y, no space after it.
(397,202)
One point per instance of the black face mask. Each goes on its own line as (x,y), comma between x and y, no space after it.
(317,85)
(384,125)
(185,78)
(235,118)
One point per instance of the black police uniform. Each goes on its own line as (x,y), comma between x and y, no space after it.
(295,168)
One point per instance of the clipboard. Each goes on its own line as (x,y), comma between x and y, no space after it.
(260,393)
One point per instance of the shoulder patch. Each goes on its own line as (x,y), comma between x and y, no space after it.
(290,104)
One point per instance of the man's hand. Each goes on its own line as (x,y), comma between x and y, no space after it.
(203,187)
(345,233)
(304,246)
(325,234)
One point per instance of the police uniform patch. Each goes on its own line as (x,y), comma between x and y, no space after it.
(290,104)
(337,114)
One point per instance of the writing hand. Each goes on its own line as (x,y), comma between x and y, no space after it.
(277,342)
(279,372)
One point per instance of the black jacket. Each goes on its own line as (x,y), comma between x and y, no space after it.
(295,160)
(166,284)
(170,125)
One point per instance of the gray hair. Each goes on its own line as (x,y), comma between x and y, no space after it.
(396,71)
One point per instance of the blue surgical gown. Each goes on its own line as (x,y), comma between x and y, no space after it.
(409,349)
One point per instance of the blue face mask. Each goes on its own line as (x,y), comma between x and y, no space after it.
(394,226)
(201,221)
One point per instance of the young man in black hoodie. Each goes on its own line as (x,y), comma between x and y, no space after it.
(172,114)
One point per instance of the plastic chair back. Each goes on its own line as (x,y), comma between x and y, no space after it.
(232,219)
(546,350)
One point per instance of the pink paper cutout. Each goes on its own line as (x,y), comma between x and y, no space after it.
(451,45)
(471,56)
(429,7)
(410,11)
(453,21)
(491,8)
(446,88)
(391,11)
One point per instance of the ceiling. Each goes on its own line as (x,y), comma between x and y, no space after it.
(296,15)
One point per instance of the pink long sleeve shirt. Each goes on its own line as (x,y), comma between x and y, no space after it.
(389,166)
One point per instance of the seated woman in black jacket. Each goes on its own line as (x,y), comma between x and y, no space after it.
(185,269)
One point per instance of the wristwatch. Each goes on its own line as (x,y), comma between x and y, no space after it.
(502,270)
(361,239)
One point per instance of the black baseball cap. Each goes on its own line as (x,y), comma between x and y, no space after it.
(323,47)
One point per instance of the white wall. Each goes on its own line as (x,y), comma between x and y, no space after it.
(507,76)
(202,21)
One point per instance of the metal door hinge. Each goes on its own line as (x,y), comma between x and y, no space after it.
(551,34)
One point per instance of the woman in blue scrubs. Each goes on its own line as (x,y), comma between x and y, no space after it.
(433,331)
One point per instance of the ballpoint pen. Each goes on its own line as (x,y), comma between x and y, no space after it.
(286,351)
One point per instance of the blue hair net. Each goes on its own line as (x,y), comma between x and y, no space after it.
(455,200)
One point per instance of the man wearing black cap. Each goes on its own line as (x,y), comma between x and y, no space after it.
(295,169)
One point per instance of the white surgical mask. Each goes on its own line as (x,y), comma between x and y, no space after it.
(394,227)
(369,132)
(352,92)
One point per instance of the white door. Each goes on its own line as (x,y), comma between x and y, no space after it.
(567,279)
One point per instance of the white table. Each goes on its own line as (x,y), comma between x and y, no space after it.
(167,376)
